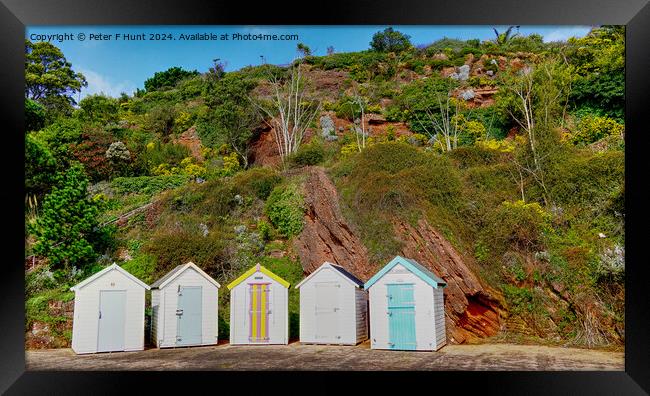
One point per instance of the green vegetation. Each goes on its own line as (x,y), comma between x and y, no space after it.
(519,165)
(285,209)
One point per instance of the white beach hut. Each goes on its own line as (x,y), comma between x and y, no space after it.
(333,307)
(184,308)
(108,312)
(259,312)
(407,310)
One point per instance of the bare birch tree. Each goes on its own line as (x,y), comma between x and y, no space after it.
(290,112)
(359,131)
(443,126)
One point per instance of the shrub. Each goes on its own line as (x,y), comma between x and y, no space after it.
(593,128)
(172,248)
(142,266)
(285,209)
(149,185)
(517,225)
(40,166)
(257,181)
(265,229)
(308,154)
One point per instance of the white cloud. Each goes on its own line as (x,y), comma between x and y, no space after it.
(563,34)
(98,83)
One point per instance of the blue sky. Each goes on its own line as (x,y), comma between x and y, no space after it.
(114,66)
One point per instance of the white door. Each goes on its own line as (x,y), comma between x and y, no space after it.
(327,312)
(112,316)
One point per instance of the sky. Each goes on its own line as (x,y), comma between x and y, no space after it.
(113,65)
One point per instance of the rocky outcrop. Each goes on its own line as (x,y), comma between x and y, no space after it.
(326,235)
(472,310)
(190,139)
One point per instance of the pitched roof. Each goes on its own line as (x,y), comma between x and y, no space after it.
(348,276)
(101,273)
(416,268)
(254,269)
(160,283)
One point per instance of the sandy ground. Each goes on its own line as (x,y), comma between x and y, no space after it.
(329,357)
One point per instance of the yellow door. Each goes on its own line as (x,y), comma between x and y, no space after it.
(259,312)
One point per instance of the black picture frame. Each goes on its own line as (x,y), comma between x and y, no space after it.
(16,14)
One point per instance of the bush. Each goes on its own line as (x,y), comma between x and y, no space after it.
(256,181)
(40,166)
(517,225)
(285,209)
(142,266)
(594,128)
(172,248)
(149,185)
(308,154)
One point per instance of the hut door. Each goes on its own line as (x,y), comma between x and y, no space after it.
(401,316)
(327,311)
(189,315)
(112,316)
(259,312)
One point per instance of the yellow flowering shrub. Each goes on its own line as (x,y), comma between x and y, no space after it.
(592,129)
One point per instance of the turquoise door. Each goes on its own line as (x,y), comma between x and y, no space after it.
(401,317)
(112,314)
(189,314)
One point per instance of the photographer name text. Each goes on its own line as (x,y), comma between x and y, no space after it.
(208,36)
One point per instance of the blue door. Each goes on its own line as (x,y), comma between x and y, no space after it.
(401,317)
(189,314)
(112,314)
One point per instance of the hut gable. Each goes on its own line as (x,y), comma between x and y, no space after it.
(353,280)
(253,270)
(112,267)
(173,274)
(411,265)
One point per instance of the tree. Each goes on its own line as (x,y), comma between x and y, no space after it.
(168,78)
(390,40)
(232,118)
(359,104)
(49,78)
(330,50)
(303,49)
(34,115)
(40,167)
(290,112)
(536,98)
(217,71)
(99,109)
(67,228)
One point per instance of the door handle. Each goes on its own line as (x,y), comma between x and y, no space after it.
(100,314)
(179,312)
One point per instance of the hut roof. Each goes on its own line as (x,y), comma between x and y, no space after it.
(112,267)
(416,268)
(258,268)
(348,276)
(160,283)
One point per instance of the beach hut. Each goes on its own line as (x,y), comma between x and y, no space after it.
(407,309)
(184,306)
(333,307)
(108,312)
(259,312)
